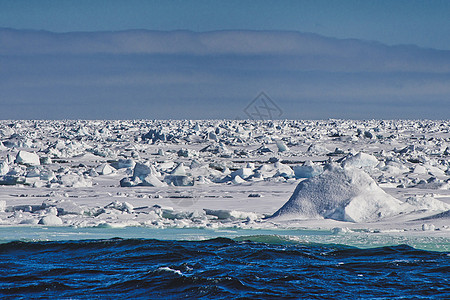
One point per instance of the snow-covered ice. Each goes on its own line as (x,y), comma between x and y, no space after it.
(374,175)
(343,194)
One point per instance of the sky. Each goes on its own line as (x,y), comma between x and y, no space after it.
(211,59)
(424,23)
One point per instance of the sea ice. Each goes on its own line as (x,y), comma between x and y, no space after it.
(231,162)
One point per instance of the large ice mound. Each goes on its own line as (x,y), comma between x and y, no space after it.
(343,194)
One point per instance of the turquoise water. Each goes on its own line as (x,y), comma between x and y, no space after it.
(356,239)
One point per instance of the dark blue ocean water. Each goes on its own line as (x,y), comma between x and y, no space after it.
(218,268)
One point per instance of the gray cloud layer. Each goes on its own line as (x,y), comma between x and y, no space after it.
(181,74)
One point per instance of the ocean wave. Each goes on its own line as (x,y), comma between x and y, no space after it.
(251,266)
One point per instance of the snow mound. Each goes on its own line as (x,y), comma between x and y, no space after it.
(343,194)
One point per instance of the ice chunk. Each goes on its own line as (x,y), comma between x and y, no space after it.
(47,175)
(203,180)
(27,158)
(212,136)
(435,171)
(340,230)
(317,149)
(223,214)
(33,172)
(434,184)
(179,170)
(157,135)
(51,220)
(152,180)
(4,168)
(282,146)
(125,163)
(263,150)
(243,173)
(104,169)
(93,173)
(11,180)
(126,182)
(183,152)
(308,170)
(122,206)
(73,180)
(420,169)
(142,170)
(392,167)
(283,170)
(427,202)
(46,160)
(179,180)
(179,177)
(196,164)
(360,160)
(368,134)
(65,207)
(428,227)
(238,180)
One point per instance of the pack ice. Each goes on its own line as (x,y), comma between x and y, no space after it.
(378,174)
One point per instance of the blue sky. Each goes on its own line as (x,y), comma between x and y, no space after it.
(425,23)
(315,59)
